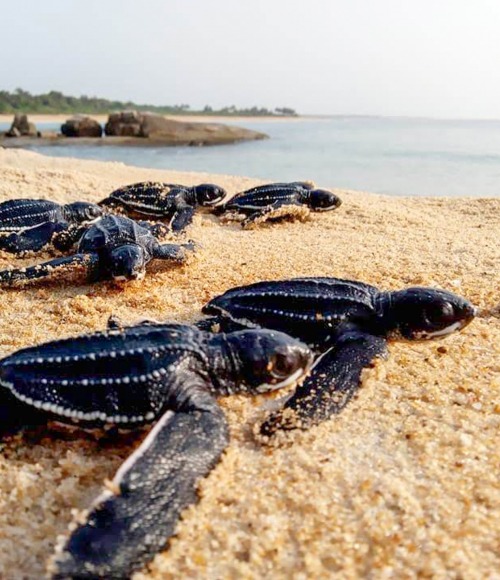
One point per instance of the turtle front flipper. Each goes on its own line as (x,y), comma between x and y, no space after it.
(334,380)
(182,218)
(158,229)
(78,265)
(277,210)
(174,252)
(65,239)
(134,518)
(32,239)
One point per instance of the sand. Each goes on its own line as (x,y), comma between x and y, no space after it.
(403,483)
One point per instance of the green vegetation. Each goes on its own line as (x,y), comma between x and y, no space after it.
(21,101)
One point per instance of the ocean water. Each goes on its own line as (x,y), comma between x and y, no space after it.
(396,156)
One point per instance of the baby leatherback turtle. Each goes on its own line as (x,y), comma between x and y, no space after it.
(278,200)
(115,247)
(164,373)
(32,224)
(348,322)
(164,201)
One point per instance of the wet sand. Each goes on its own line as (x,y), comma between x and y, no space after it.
(403,483)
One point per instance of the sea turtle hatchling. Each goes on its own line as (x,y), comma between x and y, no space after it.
(274,201)
(164,201)
(129,377)
(115,247)
(31,224)
(347,322)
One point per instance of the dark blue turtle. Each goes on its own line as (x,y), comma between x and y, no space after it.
(164,201)
(278,200)
(167,374)
(31,224)
(348,323)
(115,247)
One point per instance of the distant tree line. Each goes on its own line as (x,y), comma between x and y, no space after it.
(54,102)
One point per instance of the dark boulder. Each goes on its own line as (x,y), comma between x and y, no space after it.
(124,124)
(81,126)
(22,127)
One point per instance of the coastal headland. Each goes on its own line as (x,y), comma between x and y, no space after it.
(404,482)
(173,131)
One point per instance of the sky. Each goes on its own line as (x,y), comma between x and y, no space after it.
(430,58)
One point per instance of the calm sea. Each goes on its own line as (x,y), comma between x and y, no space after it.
(385,155)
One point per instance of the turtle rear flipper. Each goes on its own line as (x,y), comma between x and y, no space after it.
(334,380)
(79,265)
(133,519)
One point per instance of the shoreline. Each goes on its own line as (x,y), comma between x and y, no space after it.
(191,140)
(61,118)
(402,482)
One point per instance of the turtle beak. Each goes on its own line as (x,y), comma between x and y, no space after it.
(138,275)
(128,262)
(131,276)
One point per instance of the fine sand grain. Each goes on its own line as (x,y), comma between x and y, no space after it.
(403,483)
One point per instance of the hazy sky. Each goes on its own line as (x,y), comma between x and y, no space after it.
(438,58)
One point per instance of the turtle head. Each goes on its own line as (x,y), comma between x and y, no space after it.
(127,262)
(323,200)
(82,212)
(425,313)
(208,194)
(265,360)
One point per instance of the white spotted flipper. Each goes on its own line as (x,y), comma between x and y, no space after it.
(135,517)
(334,380)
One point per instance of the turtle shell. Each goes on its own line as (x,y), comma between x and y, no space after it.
(307,308)
(18,214)
(111,231)
(148,197)
(264,195)
(117,376)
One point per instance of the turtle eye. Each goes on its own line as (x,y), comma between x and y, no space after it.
(282,365)
(440,314)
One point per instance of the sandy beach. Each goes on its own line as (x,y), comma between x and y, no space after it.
(402,484)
